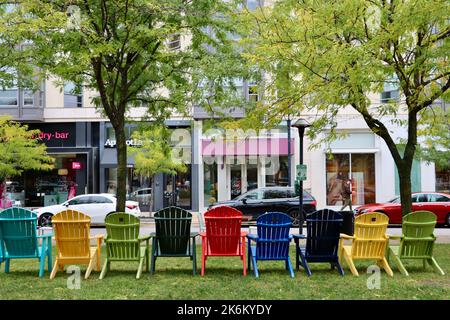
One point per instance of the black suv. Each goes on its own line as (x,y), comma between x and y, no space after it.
(271,199)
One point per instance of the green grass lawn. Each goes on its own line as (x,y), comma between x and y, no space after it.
(223,280)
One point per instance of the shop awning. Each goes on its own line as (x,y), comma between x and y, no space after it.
(109,158)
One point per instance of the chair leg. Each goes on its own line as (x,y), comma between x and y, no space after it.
(147,262)
(435,266)
(194,258)
(255,267)
(55,269)
(351,264)
(203,265)
(305,263)
(244,265)
(104,269)
(7,263)
(398,262)
(41,265)
(154,244)
(90,267)
(297,260)
(249,248)
(204,245)
(339,267)
(49,255)
(97,260)
(386,267)
(141,265)
(289,267)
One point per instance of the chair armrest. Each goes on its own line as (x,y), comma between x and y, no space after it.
(390,236)
(253,237)
(144,238)
(48,235)
(298,236)
(203,234)
(346,236)
(152,234)
(194,234)
(97,236)
(244,233)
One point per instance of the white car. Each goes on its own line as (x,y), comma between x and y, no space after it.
(96,206)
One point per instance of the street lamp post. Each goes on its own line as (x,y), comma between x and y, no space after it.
(288,125)
(301,124)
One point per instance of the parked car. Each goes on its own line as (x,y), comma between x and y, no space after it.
(143,196)
(271,199)
(438,203)
(96,206)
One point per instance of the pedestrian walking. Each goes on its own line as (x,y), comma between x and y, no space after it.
(346,194)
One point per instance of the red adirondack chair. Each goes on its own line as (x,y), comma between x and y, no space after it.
(223,236)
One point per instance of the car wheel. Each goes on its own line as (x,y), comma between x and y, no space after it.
(45,220)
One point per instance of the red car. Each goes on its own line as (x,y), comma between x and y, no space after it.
(438,203)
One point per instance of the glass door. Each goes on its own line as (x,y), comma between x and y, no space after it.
(235,180)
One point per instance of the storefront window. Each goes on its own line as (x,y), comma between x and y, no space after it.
(360,168)
(45,188)
(210,184)
(442,179)
(277,171)
(236,180)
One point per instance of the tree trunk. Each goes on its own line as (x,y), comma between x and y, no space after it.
(121,167)
(404,173)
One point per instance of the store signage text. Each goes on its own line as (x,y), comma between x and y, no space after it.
(47,136)
(110,143)
(76,165)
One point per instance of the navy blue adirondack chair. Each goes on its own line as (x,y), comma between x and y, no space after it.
(19,238)
(322,240)
(272,241)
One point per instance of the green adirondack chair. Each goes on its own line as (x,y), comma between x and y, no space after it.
(416,242)
(19,238)
(173,236)
(123,242)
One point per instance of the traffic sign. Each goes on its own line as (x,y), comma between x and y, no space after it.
(301,172)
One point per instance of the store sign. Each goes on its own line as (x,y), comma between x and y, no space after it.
(56,134)
(110,143)
(76,165)
(47,136)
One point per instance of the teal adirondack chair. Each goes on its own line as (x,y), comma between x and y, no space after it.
(19,238)
(416,242)
(123,242)
(173,236)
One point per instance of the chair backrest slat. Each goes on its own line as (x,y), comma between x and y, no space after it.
(323,230)
(18,228)
(223,230)
(418,238)
(173,229)
(370,235)
(122,240)
(273,235)
(72,231)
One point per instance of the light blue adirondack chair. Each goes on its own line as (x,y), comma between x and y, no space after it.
(272,241)
(19,238)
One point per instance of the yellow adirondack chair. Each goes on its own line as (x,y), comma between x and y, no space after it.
(369,242)
(71,229)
